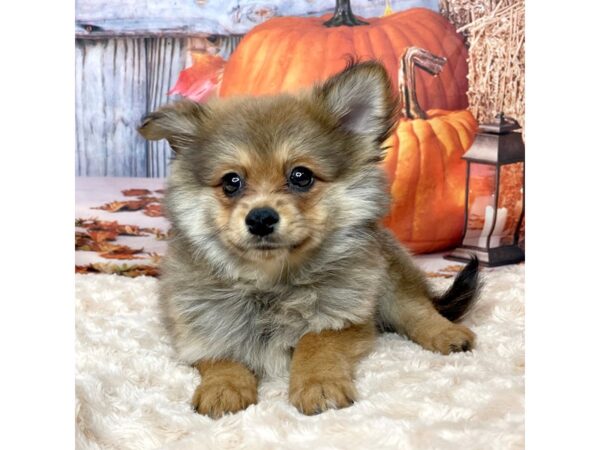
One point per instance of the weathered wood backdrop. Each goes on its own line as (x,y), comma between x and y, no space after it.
(129,54)
(118,81)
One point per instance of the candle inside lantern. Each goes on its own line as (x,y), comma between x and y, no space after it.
(487,226)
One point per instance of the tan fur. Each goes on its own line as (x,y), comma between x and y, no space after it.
(323,366)
(310,294)
(227,386)
(413,311)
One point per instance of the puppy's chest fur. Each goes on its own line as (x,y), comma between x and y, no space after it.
(260,326)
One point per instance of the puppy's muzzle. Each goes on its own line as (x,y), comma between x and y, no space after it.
(262,221)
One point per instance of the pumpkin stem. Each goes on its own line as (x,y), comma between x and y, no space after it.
(343,15)
(415,57)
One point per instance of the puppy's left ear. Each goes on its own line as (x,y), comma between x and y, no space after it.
(361,100)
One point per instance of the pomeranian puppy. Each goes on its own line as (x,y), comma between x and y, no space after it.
(278,263)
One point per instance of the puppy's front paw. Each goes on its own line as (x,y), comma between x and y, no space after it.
(218,398)
(313,395)
(454,338)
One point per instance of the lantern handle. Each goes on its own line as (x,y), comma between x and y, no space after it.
(500,125)
(501,117)
(411,58)
(343,15)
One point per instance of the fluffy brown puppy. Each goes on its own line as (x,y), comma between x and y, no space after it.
(278,262)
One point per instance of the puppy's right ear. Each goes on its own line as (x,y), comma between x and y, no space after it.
(179,123)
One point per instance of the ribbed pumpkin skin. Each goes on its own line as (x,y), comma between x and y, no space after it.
(288,53)
(427,177)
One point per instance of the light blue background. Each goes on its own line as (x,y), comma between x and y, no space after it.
(212,16)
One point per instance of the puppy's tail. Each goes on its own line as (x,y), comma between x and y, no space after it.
(456,302)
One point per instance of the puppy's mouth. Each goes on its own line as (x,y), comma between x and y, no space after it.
(268,246)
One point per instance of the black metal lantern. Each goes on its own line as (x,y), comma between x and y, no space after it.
(495,195)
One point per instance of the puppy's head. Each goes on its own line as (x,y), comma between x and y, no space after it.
(269,178)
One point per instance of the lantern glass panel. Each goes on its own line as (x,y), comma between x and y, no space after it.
(511,200)
(482,188)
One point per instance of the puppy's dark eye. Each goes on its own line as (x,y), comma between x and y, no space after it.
(232,183)
(301,178)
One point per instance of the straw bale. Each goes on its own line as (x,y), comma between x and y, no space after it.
(495,35)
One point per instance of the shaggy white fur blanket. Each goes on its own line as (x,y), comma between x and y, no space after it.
(133,394)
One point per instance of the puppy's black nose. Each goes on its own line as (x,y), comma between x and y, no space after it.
(261,221)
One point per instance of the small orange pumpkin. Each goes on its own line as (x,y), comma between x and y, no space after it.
(289,53)
(424,164)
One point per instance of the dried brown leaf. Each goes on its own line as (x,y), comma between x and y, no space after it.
(105,225)
(155,257)
(135,192)
(125,270)
(136,271)
(102,236)
(153,210)
(111,255)
(150,199)
(159,234)
(131,205)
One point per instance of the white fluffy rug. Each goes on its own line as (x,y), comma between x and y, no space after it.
(133,394)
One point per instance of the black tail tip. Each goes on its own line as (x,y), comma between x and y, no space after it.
(456,302)
(471,269)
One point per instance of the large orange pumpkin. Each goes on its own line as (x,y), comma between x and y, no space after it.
(288,53)
(424,165)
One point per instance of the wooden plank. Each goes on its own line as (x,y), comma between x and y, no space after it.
(81,159)
(111,99)
(166,57)
(177,18)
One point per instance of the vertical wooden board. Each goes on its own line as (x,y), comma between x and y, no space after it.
(91,143)
(125,98)
(166,57)
(81,161)
(111,100)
